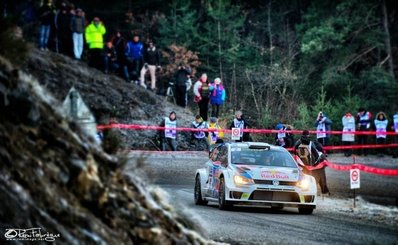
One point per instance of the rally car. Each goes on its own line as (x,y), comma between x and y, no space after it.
(253,173)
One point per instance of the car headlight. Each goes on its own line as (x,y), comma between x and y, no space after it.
(241,180)
(304,184)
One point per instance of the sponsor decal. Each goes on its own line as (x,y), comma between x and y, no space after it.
(274,175)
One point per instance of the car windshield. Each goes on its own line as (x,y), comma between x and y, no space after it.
(262,157)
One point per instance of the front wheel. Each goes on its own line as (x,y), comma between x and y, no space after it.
(222,203)
(306,210)
(198,193)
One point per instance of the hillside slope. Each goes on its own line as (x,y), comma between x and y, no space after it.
(106,95)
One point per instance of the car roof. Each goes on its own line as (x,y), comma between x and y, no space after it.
(254,144)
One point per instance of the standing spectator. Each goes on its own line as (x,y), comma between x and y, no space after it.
(181,77)
(240,122)
(152,62)
(395,137)
(310,153)
(381,123)
(217,96)
(64,33)
(119,43)
(323,125)
(199,137)
(46,17)
(134,54)
(168,136)
(77,25)
(201,91)
(348,139)
(215,135)
(283,138)
(95,39)
(363,120)
(111,64)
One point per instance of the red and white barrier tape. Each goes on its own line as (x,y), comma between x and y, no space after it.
(341,167)
(144,127)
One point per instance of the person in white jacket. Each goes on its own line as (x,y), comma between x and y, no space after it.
(348,121)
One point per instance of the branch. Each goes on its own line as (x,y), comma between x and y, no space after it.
(253,92)
(384,61)
(357,58)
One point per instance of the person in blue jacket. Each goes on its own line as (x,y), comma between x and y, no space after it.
(134,56)
(217,96)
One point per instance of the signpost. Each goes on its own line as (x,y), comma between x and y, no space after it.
(235,134)
(355,179)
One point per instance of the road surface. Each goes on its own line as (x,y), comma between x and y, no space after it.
(333,222)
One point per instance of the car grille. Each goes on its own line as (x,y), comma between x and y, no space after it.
(274,196)
(269,182)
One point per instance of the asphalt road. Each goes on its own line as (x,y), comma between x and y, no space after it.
(174,172)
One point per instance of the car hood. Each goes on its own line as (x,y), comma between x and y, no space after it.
(267,173)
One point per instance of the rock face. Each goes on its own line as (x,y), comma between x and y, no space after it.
(52,177)
(107,96)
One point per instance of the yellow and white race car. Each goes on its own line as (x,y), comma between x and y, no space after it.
(253,173)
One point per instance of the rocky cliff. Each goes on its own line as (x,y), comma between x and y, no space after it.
(52,175)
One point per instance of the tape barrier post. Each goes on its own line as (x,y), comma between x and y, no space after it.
(355,181)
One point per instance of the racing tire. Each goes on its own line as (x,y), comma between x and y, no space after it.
(198,193)
(222,203)
(306,210)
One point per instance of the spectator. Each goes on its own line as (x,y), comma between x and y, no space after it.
(64,33)
(394,127)
(217,96)
(348,139)
(323,125)
(95,39)
(381,123)
(310,153)
(77,26)
(168,136)
(202,93)
(188,83)
(119,43)
(134,55)
(283,138)
(363,120)
(240,122)
(181,78)
(152,62)
(46,17)
(215,135)
(111,64)
(199,137)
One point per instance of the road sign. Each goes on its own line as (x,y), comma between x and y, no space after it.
(75,107)
(235,134)
(355,180)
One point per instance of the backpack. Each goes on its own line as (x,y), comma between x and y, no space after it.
(309,154)
(303,151)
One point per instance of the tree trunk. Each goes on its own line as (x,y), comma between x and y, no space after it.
(270,32)
(219,48)
(387,39)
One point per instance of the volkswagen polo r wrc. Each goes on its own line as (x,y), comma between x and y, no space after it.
(253,173)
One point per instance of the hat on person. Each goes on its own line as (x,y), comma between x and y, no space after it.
(306,133)
(217,80)
(213,119)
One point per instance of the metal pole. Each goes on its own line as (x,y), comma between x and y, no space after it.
(353,158)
